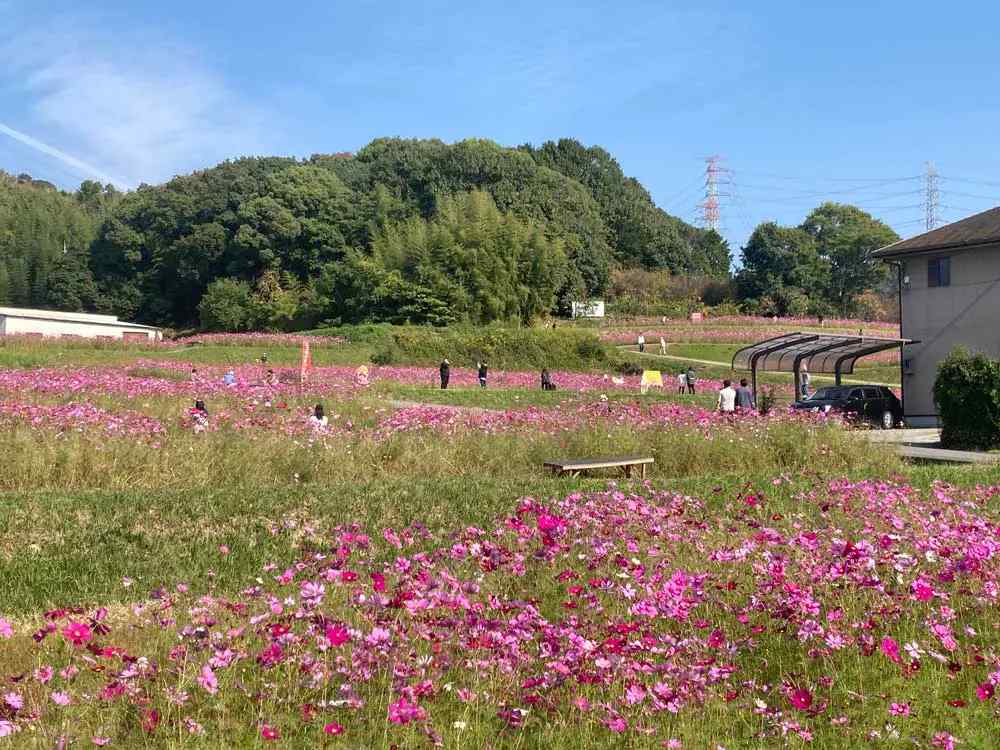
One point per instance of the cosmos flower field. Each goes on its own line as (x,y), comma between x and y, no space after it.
(408,576)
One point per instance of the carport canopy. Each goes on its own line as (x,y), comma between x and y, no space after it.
(821,353)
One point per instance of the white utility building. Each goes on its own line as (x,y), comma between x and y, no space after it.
(15,321)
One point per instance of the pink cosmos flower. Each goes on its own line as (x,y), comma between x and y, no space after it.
(269,733)
(403,712)
(617,724)
(77,633)
(208,681)
(44,674)
(984,691)
(7,728)
(337,635)
(899,709)
(101,741)
(60,698)
(6,630)
(891,649)
(14,701)
(801,698)
(334,728)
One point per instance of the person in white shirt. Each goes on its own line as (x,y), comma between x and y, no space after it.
(663,345)
(318,420)
(641,341)
(682,382)
(727,398)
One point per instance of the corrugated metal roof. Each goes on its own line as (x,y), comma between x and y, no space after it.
(825,353)
(980,229)
(71,317)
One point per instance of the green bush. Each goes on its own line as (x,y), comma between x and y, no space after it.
(501,347)
(967,392)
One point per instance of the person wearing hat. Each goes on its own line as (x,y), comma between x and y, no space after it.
(445,373)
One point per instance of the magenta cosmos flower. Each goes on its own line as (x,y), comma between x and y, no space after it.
(77,633)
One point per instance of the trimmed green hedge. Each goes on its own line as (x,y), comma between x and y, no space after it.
(967,392)
(506,348)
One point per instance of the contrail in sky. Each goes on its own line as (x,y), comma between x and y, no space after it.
(62,156)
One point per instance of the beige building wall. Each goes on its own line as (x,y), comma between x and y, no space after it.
(13,325)
(965,313)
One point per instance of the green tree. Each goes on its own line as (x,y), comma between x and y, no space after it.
(845,238)
(227,305)
(780,263)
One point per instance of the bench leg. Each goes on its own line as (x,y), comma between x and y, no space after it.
(642,471)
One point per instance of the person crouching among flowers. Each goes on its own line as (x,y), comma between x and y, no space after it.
(199,416)
(318,420)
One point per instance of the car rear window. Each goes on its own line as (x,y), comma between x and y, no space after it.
(871,393)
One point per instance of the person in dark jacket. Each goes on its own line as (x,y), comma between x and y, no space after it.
(547,384)
(445,374)
(482,374)
(744,397)
(692,379)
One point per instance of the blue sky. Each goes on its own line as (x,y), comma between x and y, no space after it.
(805,103)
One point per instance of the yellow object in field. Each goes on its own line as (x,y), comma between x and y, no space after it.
(650,378)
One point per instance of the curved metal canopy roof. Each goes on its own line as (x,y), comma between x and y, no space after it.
(824,353)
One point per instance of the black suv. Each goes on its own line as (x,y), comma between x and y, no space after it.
(875,404)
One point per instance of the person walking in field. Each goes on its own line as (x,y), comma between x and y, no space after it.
(682,381)
(445,370)
(641,341)
(744,397)
(483,371)
(663,345)
(691,379)
(229,378)
(805,379)
(727,398)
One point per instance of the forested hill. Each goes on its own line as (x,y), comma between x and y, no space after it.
(412,230)
(45,241)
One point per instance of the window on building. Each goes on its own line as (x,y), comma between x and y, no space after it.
(939,272)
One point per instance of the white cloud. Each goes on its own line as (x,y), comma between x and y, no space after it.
(144,110)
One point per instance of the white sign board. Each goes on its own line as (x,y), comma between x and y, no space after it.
(593,309)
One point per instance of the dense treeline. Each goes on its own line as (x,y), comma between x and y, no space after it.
(413,230)
(408,230)
(45,239)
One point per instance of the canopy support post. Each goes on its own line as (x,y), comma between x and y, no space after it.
(837,373)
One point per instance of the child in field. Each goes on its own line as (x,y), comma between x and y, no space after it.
(663,345)
(445,372)
(229,378)
(194,374)
(483,370)
(682,382)
(547,384)
(318,420)
(199,416)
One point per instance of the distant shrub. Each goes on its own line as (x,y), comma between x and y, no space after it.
(500,347)
(967,392)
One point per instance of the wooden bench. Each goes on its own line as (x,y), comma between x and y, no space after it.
(573,467)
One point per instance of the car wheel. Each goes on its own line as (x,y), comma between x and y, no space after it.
(888,420)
